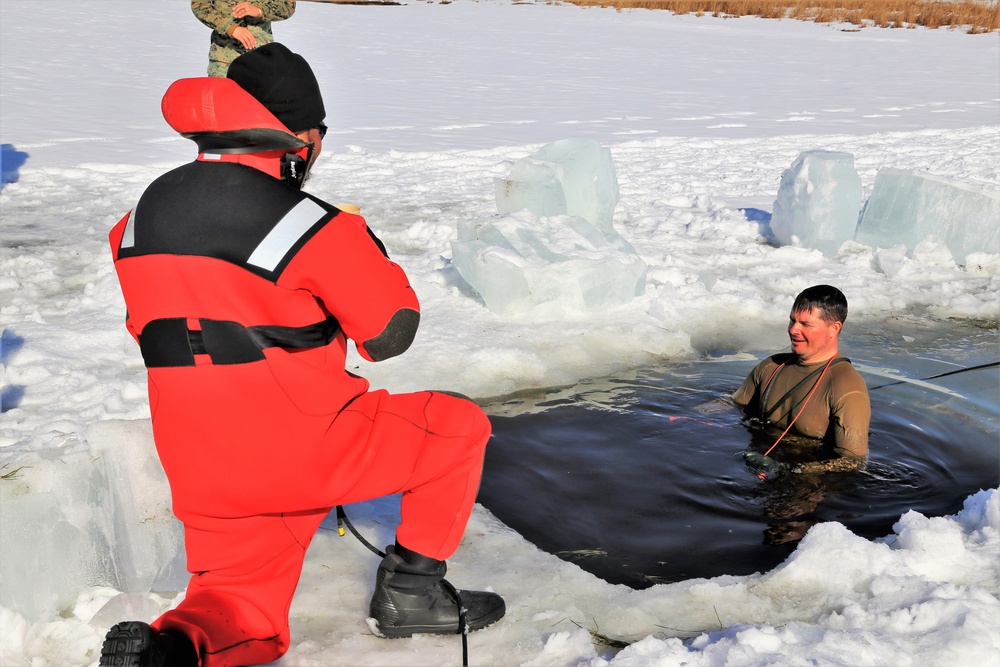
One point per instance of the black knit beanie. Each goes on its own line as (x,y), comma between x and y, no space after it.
(283,82)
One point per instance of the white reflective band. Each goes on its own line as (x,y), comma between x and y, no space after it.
(128,237)
(286,233)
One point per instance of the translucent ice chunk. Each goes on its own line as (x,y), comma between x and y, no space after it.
(907,207)
(519,262)
(95,512)
(531,186)
(571,176)
(818,202)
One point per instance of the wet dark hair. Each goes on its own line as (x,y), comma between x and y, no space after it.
(830,301)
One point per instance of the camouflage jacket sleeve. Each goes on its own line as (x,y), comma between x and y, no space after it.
(278,10)
(218,14)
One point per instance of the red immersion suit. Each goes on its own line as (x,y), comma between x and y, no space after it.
(242,292)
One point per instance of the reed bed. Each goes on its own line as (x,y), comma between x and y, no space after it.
(973,16)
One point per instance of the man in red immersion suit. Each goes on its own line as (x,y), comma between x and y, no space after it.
(242,292)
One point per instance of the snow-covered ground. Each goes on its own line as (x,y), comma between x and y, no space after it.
(428,103)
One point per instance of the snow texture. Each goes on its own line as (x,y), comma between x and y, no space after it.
(429,104)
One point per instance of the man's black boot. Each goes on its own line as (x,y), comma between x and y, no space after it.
(135,644)
(411,597)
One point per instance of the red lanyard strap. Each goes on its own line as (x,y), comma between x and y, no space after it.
(805,402)
(765,416)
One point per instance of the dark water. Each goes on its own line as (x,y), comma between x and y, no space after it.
(625,478)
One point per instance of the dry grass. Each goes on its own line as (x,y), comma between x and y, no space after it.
(974,16)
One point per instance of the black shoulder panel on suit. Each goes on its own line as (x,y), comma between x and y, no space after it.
(224,211)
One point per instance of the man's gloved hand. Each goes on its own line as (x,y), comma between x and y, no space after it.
(765,466)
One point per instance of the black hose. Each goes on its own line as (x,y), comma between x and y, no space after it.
(992,364)
(343,520)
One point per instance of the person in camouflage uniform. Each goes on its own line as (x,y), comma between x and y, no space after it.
(238,27)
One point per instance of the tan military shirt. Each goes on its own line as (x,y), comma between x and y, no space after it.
(838,412)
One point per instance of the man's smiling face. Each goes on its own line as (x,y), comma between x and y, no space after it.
(813,338)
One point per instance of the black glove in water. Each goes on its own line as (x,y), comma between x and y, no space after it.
(764,466)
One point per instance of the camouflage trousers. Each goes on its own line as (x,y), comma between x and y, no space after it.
(219,57)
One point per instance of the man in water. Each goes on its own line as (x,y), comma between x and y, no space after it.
(812,391)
